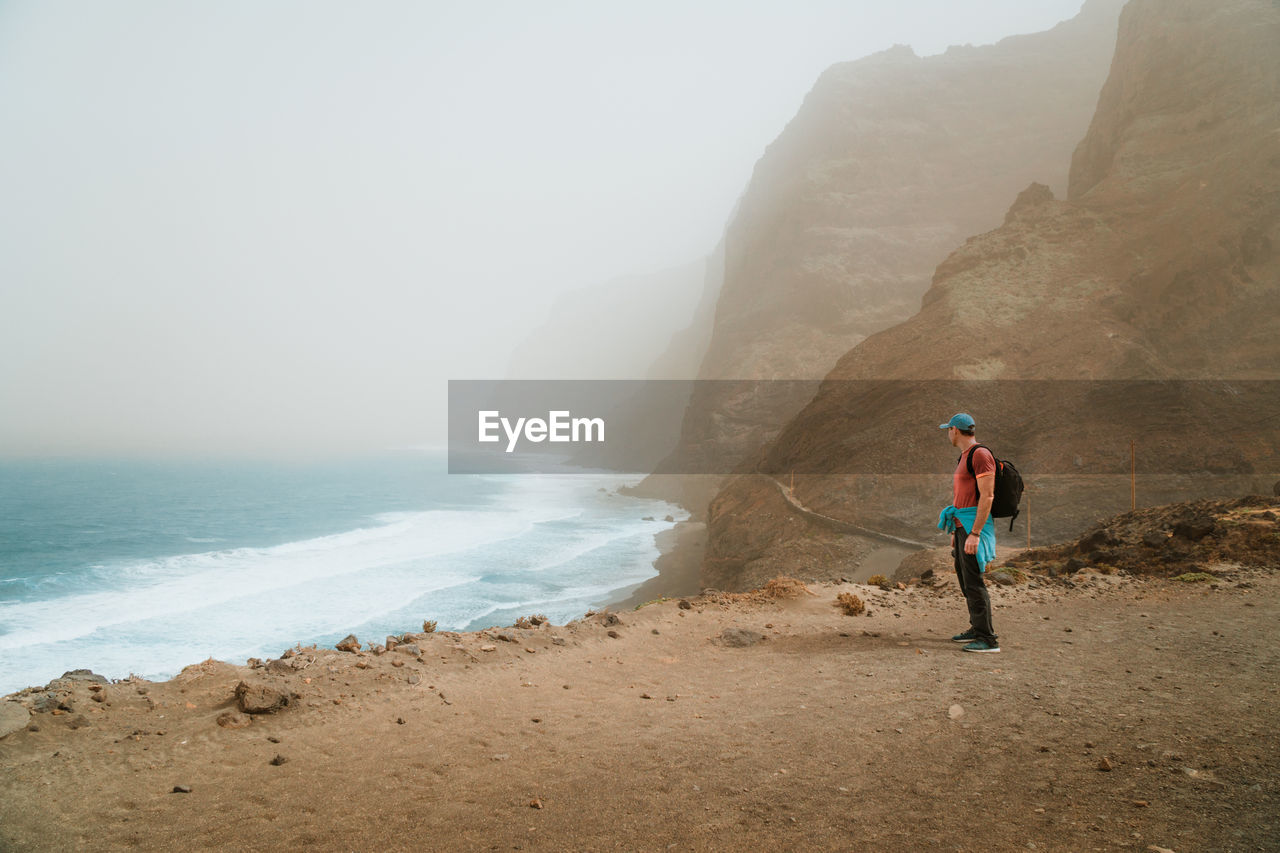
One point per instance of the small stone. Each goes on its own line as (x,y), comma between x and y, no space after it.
(505,637)
(740,637)
(488,648)
(260,698)
(83,675)
(653,631)
(277,761)
(13,717)
(182,789)
(397,663)
(1105,765)
(614,634)
(349,644)
(399,721)
(955,712)
(645,696)
(684,605)
(409,649)
(271,738)
(1140,804)
(234,720)
(535,803)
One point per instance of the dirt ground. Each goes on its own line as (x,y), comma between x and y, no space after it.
(833,732)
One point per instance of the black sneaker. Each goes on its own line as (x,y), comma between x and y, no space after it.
(982,646)
(967,637)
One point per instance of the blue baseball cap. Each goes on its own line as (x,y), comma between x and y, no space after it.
(959,420)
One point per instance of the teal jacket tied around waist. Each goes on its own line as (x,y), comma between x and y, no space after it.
(967,516)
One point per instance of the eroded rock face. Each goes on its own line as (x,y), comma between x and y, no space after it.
(1160,264)
(891,162)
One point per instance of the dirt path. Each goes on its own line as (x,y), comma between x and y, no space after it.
(870,732)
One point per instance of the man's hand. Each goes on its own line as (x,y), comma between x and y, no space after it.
(971,544)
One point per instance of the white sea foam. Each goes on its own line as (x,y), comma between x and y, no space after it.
(551,544)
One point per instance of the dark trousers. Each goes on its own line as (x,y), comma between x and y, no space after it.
(973,587)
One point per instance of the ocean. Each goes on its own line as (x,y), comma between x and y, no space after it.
(145,566)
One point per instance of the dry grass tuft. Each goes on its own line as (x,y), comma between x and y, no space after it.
(850,604)
(429,626)
(784,587)
(777,589)
(530,621)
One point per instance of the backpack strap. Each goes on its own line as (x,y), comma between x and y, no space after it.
(968,460)
(969,464)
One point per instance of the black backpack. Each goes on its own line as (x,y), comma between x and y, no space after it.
(1008,490)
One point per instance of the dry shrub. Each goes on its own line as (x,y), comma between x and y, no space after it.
(779,588)
(850,604)
(877,580)
(429,626)
(530,621)
(784,587)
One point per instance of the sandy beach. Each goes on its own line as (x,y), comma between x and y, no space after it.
(1121,714)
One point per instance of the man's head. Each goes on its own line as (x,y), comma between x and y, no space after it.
(961,424)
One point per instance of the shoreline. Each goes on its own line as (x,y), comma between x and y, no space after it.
(119,664)
(679,566)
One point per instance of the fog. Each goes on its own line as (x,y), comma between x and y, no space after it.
(239,227)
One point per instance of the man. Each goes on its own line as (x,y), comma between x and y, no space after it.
(973,534)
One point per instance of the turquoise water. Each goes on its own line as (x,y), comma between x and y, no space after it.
(144,566)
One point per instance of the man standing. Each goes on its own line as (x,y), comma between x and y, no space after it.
(973,534)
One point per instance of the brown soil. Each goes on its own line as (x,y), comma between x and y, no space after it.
(832,732)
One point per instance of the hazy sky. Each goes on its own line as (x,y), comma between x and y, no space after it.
(242,226)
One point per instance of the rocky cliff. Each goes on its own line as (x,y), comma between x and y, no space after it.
(1160,264)
(891,161)
(608,331)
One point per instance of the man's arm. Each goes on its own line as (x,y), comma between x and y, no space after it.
(986,494)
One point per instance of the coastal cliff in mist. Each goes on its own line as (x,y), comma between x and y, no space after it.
(891,162)
(609,331)
(1162,263)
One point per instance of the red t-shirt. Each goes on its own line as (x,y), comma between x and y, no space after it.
(966,487)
